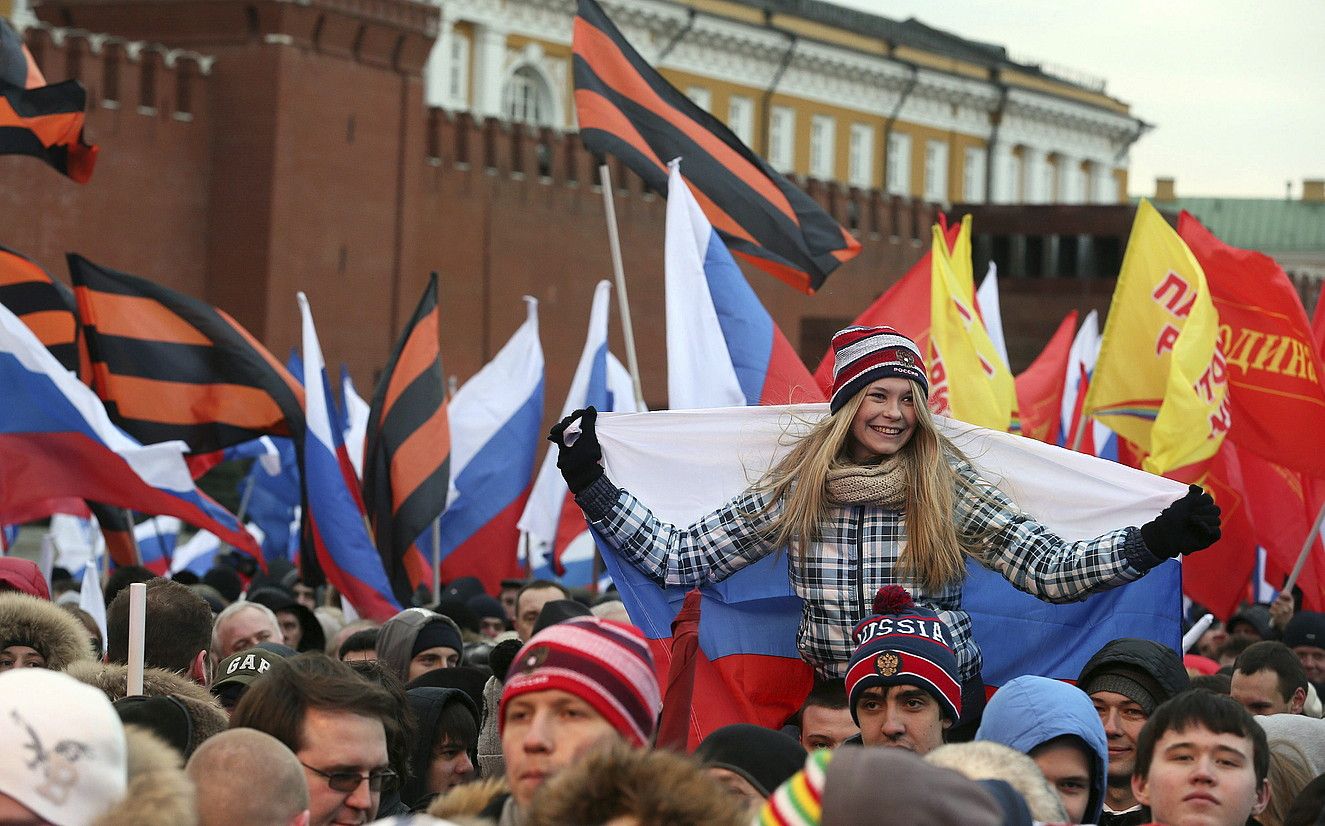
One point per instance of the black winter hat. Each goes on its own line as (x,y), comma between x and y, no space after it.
(1306,628)
(1130,666)
(558,611)
(226,581)
(164,716)
(764,757)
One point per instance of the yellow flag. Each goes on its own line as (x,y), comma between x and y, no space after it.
(967,377)
(1161,380)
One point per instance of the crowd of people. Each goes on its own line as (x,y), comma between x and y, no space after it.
(540,706)
(536,705)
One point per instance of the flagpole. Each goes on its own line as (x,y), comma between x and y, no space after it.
(623,303)
(528,562)
(133,537)
(243,507)
(1081,431)
(437,559)
(1306,549)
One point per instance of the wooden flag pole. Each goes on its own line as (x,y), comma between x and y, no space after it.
(623,303)
(137,633)
(1081,431)
(1306,550)
(437,559)
(133,537)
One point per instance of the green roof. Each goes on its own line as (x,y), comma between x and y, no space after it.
(1266,224)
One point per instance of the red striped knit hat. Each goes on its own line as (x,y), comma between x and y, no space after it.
(904,644)
(862,355)
(604,663)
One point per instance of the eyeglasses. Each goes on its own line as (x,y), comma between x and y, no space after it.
(349,781)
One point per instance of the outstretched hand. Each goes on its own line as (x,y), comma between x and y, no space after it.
(579,460)
(1186,526)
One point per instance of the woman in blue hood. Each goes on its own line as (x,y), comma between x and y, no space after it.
(1058,727)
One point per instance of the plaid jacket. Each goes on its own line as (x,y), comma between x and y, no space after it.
(857,554)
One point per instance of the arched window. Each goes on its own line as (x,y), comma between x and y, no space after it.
(527,98)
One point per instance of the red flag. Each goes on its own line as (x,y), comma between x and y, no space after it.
(904,307)
(1318,322)
(679,690)
(1218,576)
(1040,386)
(1283,505)
(1274,372)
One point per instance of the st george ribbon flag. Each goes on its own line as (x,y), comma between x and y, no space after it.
(335,519)
(42,303)
(685,463)
(711,311)
(625,108)
(407,450)
(170,366)
(43,121)
(56,440)
(496,431)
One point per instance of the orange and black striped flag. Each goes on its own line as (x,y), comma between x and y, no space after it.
(627,109)
(169,366)
(45,305)
(39,120)
(407,450)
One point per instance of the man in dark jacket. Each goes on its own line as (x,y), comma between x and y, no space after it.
(417,641)
(444,752)
(1126,680)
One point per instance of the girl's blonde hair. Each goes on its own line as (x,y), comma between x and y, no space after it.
(935,551)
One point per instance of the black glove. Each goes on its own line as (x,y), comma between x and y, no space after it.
(1186,526)
(578,463)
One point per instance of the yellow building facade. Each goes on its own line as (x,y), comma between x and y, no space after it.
(819,90)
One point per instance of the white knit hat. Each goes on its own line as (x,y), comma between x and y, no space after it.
(64,750)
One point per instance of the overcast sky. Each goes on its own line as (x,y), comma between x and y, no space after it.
(1235,89)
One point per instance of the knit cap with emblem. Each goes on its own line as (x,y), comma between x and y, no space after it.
(904,644)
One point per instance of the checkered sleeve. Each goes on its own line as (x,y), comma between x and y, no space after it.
(710,550)
(1037,561)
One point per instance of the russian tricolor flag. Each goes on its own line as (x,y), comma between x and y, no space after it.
(686,463)
(56,440)
(496,423)
(559,545)
(336,518)
(712,309)
(1097,440)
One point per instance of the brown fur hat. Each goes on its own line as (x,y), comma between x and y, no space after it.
(43,625)
(158,791)
(113,679)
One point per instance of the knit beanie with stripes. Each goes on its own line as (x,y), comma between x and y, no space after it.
(863,355)
(904,644)
(604,663)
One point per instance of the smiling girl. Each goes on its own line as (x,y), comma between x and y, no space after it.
(875,495)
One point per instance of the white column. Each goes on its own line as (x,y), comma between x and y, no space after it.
(489,69)
(1069,179)
(1005,188)
(436,74)
(1034,173)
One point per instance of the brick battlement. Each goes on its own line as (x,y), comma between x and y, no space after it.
(462,141)
(130,75)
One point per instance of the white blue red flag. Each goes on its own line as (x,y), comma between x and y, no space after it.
(56,440)
(496,429)
(156,539)
(711,312)
(1096,439)
(685,463)
(336,519)
(354,412)
(551,521)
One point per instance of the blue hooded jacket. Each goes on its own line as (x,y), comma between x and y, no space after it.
(1029,711)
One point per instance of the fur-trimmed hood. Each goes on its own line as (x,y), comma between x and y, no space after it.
(41,624)
(470,799)
(158,792)
(113,679)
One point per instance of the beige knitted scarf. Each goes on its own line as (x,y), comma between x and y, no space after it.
(883,484)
